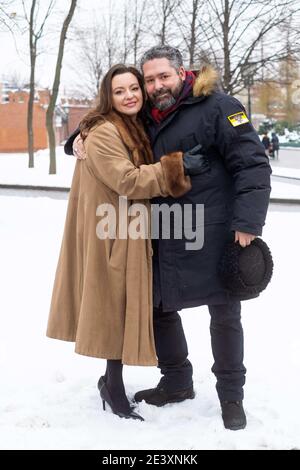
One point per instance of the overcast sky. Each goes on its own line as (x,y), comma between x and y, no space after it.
(14,49)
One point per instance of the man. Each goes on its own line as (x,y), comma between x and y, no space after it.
(185,111)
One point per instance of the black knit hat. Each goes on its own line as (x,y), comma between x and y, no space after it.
(245,272)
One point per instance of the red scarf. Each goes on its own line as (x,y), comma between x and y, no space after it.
(158,115)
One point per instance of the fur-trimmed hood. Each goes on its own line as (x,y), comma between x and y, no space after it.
(206,81)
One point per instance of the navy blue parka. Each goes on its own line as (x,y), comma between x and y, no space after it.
(234,190)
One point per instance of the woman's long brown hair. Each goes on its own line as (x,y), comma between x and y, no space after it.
(105,106)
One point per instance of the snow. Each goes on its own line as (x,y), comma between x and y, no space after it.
(49,398)
(14,170)
(286,172)
(286,138)
(285,190)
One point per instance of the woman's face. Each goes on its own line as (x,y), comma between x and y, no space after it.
(127,97)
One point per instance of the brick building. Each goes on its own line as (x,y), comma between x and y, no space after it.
(13,118)
(75,109)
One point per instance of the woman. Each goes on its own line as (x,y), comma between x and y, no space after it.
(102,295)
(266,143)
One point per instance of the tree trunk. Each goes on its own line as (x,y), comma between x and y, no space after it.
(163,32)
(55,88)
(30,135)
(226,27)
(51,142)
(193,33)
(33,52)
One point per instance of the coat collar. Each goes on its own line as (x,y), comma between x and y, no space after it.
(206,81)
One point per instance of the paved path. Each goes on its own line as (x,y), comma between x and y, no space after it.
(288,158)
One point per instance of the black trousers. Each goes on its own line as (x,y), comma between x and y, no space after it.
(227,347)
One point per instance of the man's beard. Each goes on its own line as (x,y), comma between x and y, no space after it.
(169,99)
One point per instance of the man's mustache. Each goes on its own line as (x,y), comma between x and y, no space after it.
(161,92)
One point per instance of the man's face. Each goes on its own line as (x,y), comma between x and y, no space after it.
(163,82)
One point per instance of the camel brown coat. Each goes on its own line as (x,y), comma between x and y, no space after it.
(102,295)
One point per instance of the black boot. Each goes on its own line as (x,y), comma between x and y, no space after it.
(158,396)
(233,415)
(112,391)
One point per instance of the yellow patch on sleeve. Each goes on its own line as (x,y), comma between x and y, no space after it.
(238,119)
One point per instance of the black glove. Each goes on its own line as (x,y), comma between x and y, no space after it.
(194,162)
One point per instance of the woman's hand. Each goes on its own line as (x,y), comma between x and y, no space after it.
(78,148)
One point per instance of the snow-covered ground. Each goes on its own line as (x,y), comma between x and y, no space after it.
(286,172)
(48,394)
(14,170)
(281,190)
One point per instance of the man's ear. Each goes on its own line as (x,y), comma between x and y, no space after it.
(182,73)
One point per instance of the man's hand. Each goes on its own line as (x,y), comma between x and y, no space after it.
(243,238)
(194,162)
(78,148)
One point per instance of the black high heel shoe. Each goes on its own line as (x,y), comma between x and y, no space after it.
(102,382)
(106,398)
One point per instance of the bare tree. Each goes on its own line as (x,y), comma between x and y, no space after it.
(107,40)
(55,87)
(16,80)
(162,17)
(194,34)
(110,30)
(134,14)
(35,30)
(188,23)
(99,46)
(90,55)
(7,15)
(288,71)
(137,28)
(236,29)
(126,22)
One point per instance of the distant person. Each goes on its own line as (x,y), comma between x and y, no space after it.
(266,143)
(275,145)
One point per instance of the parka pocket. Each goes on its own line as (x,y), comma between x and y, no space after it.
(195,230)
(188,142)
